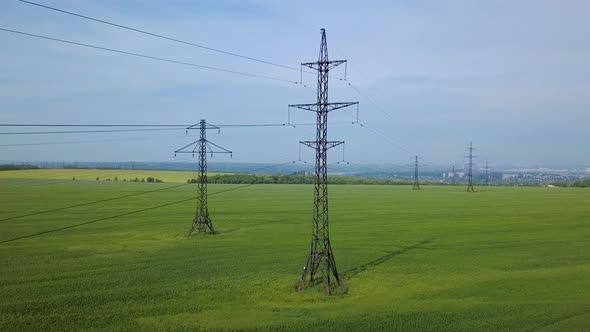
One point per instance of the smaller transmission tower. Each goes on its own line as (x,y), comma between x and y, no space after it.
(470,172)
(416,183)
(454,174)
(202,222)
(487,167)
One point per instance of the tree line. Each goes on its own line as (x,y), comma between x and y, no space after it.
(584,183)
(13,167)
(294,179)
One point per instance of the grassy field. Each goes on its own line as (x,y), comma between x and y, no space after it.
(32,175)
(436,259)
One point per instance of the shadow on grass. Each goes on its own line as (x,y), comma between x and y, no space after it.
(376,262)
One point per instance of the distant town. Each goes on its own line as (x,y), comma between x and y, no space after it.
(498,175)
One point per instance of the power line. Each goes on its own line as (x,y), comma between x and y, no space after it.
(394,175)
(385,137)
(77,173)
(164,125)
(145,56)
(126,214)
(175,127)
(369,99)
(89,125)
(84,142)
(83,131)
(160,36)
(37,181)
(90,203)
(190,64)
(364,124)
(89,174)
(389,140)
(97,220)
(157,35)
(119,130)
(253,171)
(206,48)
(196,65)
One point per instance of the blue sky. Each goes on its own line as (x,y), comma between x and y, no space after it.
(511,76)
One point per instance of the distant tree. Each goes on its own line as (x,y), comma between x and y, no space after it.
(12,167)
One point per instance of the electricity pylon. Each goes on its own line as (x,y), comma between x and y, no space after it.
(454,174)
(416,183)
(470,174)
(487,167)
(320,257)
(202,222)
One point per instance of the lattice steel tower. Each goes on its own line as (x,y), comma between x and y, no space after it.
(454,174)
(416,183)
(470,174)
(202,222)
(320,257)
(487,168)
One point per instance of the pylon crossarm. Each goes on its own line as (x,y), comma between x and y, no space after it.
(306,107)
(182,149)
(335,106)
(197,126)
(329,144)
(223,150)
(317,65)
(329,106)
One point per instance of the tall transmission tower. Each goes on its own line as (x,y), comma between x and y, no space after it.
(202,222)
(320,258)
(416,183)
(487,167)
(470,174)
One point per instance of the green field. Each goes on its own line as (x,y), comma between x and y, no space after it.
(91,174)
(502,258)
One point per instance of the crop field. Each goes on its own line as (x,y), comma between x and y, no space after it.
(105,255)
(34,175)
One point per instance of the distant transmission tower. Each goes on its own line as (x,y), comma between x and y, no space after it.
(416,183)
(202,222)
(320,257)
(470,174)
(454,174)
(487,167)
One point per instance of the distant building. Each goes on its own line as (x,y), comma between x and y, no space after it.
(507,176)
